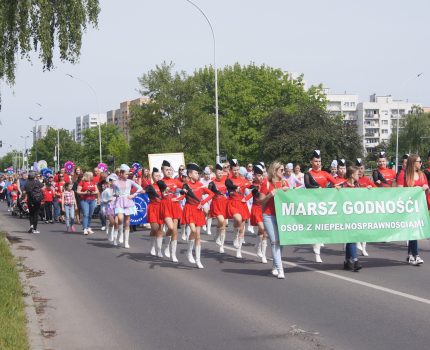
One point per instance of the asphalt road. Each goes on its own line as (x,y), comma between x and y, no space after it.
(91,295)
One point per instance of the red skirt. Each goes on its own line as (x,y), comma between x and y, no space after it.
(170,209)
(256,215)
(192,215)
(218,207)
(237,207)
(153,214)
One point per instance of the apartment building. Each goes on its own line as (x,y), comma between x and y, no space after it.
(86,122)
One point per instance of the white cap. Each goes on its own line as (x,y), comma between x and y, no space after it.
(124,167)
(290,166)
(207,171)
(334,163)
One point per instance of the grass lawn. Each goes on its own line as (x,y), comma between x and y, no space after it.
(13,323)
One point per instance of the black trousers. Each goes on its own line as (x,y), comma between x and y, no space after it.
(48,211)
(34,213)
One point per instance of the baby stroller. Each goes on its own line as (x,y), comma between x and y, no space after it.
(23,207)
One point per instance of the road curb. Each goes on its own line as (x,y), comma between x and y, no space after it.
(34,334)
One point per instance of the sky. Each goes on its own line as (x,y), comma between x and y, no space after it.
(359,47)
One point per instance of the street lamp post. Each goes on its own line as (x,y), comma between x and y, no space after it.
(35,132)
(98,108)
(398,122)
(24,154)
(216,81)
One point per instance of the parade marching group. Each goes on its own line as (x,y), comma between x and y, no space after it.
(194,197)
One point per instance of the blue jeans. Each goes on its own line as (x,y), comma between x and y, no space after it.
(413,247)
(57,209)
(87,208)
(271,228)
(102,215)
(70,215)
(351,251)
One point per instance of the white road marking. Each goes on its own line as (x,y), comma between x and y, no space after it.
(347,279)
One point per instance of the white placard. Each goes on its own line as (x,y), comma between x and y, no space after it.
(175,160)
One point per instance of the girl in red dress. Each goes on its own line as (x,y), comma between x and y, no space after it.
(193,214)
(153,216)
(237,208)
(170,209)
(257,212)
(218,207)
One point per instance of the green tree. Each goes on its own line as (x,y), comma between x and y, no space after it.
(179,118)
(113,143)
(7,160)
(414,134)
(69,149)
(291,134)
(41,26)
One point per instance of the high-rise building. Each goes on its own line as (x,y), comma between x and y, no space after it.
(343,104)
(40,133)
(124,116)
(377,119)
(86,122)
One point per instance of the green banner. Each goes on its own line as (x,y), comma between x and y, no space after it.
(307,216)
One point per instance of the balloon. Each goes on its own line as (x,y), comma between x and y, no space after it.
(69,166)
(42,164)
(103,167)
(136,168)
(45,172)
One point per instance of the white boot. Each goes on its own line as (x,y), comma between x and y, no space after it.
(364,251)
(204,228)
(209,225)
(281,273)
(112,230)
(167,247)
(218,236)
(159,243)
(250,228)
(198,263)
(236,239)
(190,252)
(239,249)
(188,231)
(222,239)
(259,242)
(107,228)
(317,251)
(173,245)
(115,238)
(263,251)
(121,234)
(153,252)
(184,233)
(126,237)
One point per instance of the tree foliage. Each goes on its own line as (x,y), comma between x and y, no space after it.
(181,114)
(40,26)
(69,149)
(414,134)
(291,134)
(113,143)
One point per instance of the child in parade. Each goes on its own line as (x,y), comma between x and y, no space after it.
(69,205)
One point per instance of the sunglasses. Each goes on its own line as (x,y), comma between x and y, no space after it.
(419,161)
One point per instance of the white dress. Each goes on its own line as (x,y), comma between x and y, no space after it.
(121,190)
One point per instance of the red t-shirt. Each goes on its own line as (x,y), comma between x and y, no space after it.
(323,178)
(266,188)
(422,180)
(96,179)
(88,186)
(364,181)
(389,175)
(48,194)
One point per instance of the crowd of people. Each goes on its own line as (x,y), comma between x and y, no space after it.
(191,197)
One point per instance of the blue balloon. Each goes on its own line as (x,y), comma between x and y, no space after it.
(141,201)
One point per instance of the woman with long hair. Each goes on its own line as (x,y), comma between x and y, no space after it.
(275,182)
(124,204)
(88,193)
(414,177)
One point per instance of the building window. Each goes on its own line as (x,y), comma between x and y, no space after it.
(384,131)
(385,122)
